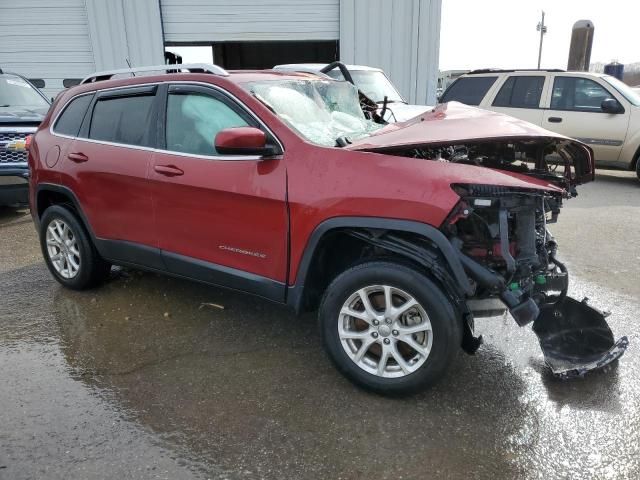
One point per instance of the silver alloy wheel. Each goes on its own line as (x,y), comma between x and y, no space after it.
(63,249)
(385,331)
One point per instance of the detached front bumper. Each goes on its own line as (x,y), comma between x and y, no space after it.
(14,186)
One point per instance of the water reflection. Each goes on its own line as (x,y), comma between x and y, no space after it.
(249,389)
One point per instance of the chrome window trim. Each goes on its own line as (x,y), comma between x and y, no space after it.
(161,150)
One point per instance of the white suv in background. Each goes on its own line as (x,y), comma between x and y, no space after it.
(596,109)
(371,81)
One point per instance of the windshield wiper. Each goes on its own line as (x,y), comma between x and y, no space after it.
(5,105)
(343,141)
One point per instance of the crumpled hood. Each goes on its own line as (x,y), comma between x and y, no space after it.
(16,115)
(456,125)
(451,122)
(403,111)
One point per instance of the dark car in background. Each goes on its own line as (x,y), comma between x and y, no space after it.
(22,108)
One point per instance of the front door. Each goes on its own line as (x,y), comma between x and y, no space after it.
(220,218)
(575,111)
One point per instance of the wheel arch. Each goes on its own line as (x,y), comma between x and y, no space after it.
(51,194)
(410,241)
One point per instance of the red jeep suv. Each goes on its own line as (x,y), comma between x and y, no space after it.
(290,187)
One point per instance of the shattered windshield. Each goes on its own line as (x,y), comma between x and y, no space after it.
(372,83)
(322,111)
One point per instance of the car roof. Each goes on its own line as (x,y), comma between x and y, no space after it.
(237,77)
(488,72)
(320,66)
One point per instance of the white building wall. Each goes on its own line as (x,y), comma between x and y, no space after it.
(125,30)
(400,36)
(45,39)
(225,20)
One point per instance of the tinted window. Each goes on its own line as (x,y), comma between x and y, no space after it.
(469,90)
(122,119)
(520,92)
(69,122)
(194,120)
(581,94)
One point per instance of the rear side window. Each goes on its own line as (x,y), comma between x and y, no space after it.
(469,90)
(71,118)
(520,92)
(122,119)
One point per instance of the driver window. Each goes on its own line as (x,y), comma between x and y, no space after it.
(194,120)
(579,94)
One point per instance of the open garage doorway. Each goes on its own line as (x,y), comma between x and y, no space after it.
(255,55)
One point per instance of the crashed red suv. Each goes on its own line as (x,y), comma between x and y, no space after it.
(290,187)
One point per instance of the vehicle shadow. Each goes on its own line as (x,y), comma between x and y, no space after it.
(620,177)
(598,390)
(245,384)
(9,215)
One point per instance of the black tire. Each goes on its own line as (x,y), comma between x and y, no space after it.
(93,270)
(638,167)
(446,327)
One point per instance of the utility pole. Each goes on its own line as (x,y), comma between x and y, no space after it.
(542,29)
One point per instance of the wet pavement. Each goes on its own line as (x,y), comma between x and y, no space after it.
(145,378)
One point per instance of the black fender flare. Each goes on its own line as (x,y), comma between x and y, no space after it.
(295,291)
(66,191)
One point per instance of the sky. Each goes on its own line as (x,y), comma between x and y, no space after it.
(502,33)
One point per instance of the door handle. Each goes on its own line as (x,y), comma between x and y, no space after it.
(554,119)
(77,157)
(168,170)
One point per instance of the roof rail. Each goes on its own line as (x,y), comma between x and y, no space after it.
(499,70)
(190,67)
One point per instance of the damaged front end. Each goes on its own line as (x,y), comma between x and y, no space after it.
(500,232)
(503,243)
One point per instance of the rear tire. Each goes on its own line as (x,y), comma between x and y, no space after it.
(68,250)
(638,167)
(393,350)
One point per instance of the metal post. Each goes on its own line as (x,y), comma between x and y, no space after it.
(542,29)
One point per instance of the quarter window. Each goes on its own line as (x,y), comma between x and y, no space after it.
(520,92)
(71,118)
(580,94)
(194,119)
(122,120)
(469,90)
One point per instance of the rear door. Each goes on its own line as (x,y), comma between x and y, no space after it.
(108,165)
(520,96)
(220,218)
(574,111)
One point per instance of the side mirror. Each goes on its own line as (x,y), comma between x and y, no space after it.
(244,141)
(611,105)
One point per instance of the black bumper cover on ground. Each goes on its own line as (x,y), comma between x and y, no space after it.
(575,338)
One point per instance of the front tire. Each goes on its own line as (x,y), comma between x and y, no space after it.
(389,328)
(68,250)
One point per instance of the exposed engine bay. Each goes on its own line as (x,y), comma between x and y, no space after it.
(505,231)
(551,160)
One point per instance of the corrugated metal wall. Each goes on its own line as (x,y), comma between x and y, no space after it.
(225,20)
(400,36)
(45,39)
(125,29)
